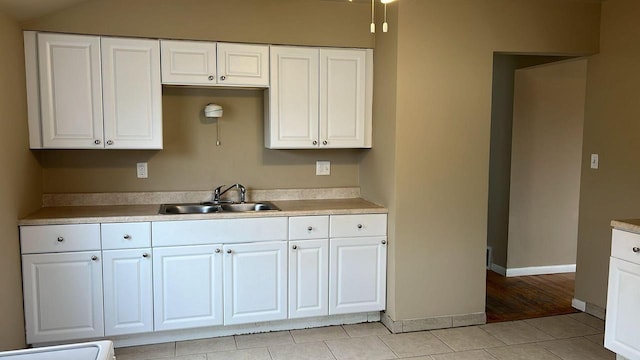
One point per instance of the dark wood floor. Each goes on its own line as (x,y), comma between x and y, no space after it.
(526,297)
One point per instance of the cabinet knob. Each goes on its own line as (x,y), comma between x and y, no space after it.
(384,242)
(211,77)
(310,228)
(223,78)
(97,142)
(295,247)
(325,142)
(60,239)
(94,258)
(145,255)
(127,236)
(109,142)
(359,226)
(229,251)
(315,142)
(218,251)
(636,249)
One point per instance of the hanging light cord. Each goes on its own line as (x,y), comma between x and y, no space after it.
(373,24)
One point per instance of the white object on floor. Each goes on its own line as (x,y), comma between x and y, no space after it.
(97,350)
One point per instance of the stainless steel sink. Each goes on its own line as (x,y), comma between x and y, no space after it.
(242,207)
(208,208)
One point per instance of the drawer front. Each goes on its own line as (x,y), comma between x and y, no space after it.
(59,238)
(623,245)
(126,235)
(222,231)
(358,225)
(308,227)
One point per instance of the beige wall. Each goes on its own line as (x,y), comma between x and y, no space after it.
(548,118)
(500,156)
(190,160)
(612,130)
(20,180)
(442,126)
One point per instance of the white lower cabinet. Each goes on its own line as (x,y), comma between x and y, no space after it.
(62,296)
(255,282)
(308,278)
(357,275)
(128,291)
(187,287)
(622,332)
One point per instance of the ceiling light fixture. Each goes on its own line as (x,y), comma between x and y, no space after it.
(385,25)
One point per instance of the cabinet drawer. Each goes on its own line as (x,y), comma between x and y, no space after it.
(126,235)
(358,225)
(222,231)
(308,227)
(59,238)
(623,244)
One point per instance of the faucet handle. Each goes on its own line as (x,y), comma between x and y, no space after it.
(216,193)
(243,192)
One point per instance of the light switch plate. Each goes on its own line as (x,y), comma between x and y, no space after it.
(142,170)
(595,163)
(323,167)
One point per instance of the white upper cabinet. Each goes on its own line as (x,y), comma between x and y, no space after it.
(214,64)
(243,65)
(188,62)
(70,91)
(132,93)
(93,92)
(319,98)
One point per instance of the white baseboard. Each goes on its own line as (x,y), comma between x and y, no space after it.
(541,270)
(579,304)
(498,269)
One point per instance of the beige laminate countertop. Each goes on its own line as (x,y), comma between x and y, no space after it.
(630,225)
(134,213)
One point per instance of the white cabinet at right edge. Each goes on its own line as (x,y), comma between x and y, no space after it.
(622,333)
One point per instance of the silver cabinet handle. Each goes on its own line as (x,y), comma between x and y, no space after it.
(145,255)
(60,239)
(109,142)
(127,236)
(211,77)
(310,228)
(325,142)
(359,226)
(218,251)
(97,142)
(384,242)
(636,249)
(94,258)
(315,142)
(223,78)
(295,247)
(229,251)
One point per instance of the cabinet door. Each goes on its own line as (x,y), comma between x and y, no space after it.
(70,91)
(128,292)
(357,280)
(622,333)
(255,282)
(342,98)
(187,287)
(242,64)
(188,62)
(293,99)
(62,296)
(132,93)
(308,278)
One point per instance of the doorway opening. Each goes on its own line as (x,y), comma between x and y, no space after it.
(537,119)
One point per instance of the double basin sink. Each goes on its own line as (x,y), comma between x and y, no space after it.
(210,208)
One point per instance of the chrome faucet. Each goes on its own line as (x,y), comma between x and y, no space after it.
(218,192)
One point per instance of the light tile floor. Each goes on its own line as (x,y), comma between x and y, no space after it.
(565,337)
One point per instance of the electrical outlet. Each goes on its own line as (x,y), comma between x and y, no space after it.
(142,170)
(594,161)
(323,167)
